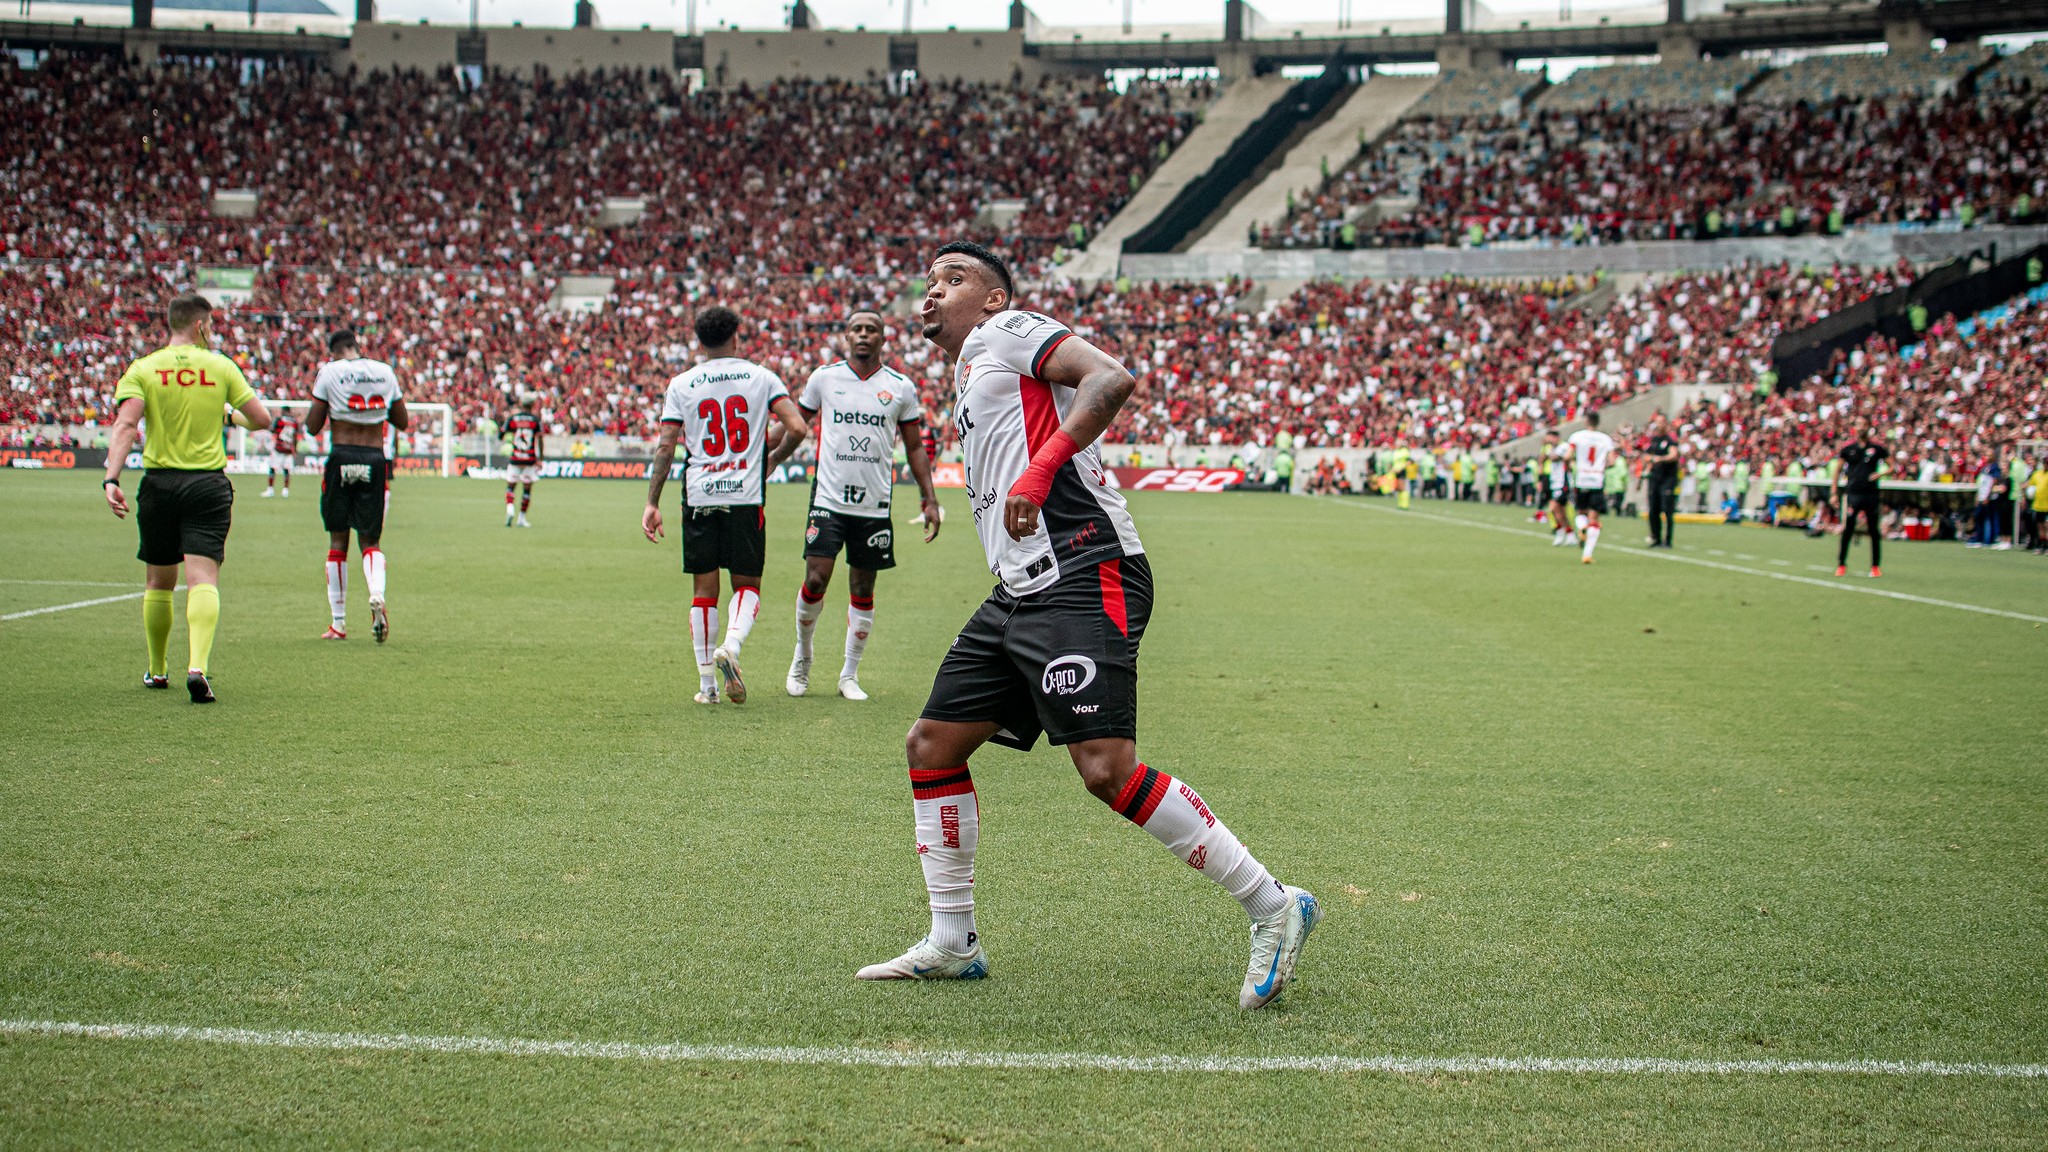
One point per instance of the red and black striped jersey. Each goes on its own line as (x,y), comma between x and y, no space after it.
(523,429)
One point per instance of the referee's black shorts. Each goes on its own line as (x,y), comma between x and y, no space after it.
(180,514)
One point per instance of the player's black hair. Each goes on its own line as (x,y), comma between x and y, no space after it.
(987,259)
(716,326)
(185,308)
(340,339)
(875,312)
(1592,419)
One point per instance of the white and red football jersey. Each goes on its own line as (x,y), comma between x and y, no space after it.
(1004,412)
(723,406)
(357,391)
(1591,450)
(285,434)
(858,418)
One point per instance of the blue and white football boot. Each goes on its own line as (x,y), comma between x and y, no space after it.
(928,961)
(1276,945)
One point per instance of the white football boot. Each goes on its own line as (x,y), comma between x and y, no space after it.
(928,961)
(799,680)
(850,688)
(1276,945)
(728,667)
(710,697)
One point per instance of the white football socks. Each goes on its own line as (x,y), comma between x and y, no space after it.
(373,571)
(703,626)
(746,604)
(807,613)
(1592,538)
(948,827)
(1176,816)
(337,587)
(860,621)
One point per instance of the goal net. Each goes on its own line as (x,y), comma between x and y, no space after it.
(428,446)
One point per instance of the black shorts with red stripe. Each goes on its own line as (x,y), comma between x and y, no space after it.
(1062,661)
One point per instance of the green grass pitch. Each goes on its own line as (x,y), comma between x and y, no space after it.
(1643,809)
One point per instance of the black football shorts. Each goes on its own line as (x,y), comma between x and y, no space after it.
(728,537)
(870,541)
(1590,500)
(353,490)
(180,514)
(1063,661)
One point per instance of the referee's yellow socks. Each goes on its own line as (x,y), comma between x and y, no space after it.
(202,614)
(156,627)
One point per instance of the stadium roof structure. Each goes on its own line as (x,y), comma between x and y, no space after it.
(1738,28)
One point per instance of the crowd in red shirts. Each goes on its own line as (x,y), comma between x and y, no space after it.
(444,243)
(1944,407)
(1611,174)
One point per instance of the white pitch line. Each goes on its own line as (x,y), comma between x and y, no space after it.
(1629,550)
(1042,1061)
(77,583)
(69,607)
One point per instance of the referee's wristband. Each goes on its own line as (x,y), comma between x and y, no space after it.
(114,480)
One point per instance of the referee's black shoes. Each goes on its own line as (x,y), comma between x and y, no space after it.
(196,684)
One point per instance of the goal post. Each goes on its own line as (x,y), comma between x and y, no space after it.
(432,435)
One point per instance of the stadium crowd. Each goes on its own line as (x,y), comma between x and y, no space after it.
(1627,173)
(110,161)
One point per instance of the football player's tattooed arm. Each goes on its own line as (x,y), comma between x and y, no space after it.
(793,429)
(316,416)
(657,477)
(1101,385)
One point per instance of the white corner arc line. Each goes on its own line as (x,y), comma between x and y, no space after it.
(1628,550)
(1040,1061)
(69,607)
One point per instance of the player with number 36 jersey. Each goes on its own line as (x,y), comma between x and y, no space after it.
(719,413)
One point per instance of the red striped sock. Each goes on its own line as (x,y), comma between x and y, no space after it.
(948,818)
(1176,816)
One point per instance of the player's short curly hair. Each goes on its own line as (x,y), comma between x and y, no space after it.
(716,326)
(340,339)
(986,259)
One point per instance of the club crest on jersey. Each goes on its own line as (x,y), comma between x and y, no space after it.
(879,539)
(1066,675)
(885,395)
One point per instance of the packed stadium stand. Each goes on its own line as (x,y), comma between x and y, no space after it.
(1696,170)
(1944,405)
(110,161)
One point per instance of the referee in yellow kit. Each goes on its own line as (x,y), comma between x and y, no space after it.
(184,503)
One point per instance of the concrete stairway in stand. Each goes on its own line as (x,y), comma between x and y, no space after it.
(1370,110)
(1240,105)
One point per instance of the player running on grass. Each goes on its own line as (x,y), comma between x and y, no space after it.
(1591,450)
(360,397)
(284,453)
(720,410)
(1557,480)
(184,505)
(1054,648)
(861,405)
(522,428)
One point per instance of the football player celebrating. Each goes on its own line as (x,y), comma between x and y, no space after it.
(522,428)
(1054,649)
(284,453)
(720,409)
(1591,450)
(861,405)
(361,397)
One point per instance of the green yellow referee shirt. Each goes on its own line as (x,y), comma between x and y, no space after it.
(182,388)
